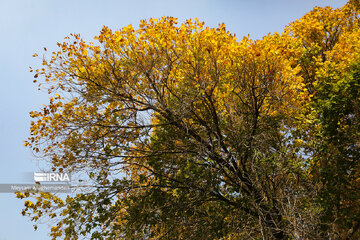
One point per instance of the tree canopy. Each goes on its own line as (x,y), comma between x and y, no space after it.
(181,131)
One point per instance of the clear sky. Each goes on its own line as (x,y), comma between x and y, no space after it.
(26,26)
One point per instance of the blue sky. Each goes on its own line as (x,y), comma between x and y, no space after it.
(29,25)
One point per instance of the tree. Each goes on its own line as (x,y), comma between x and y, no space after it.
(330,66)
(183,132)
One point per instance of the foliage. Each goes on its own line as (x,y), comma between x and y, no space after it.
(181,131)
(330,66)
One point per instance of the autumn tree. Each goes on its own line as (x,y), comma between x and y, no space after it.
(330,66)
(180,131)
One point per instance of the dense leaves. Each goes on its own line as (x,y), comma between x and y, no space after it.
(180,131)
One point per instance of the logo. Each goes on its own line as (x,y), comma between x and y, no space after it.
(51,177)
